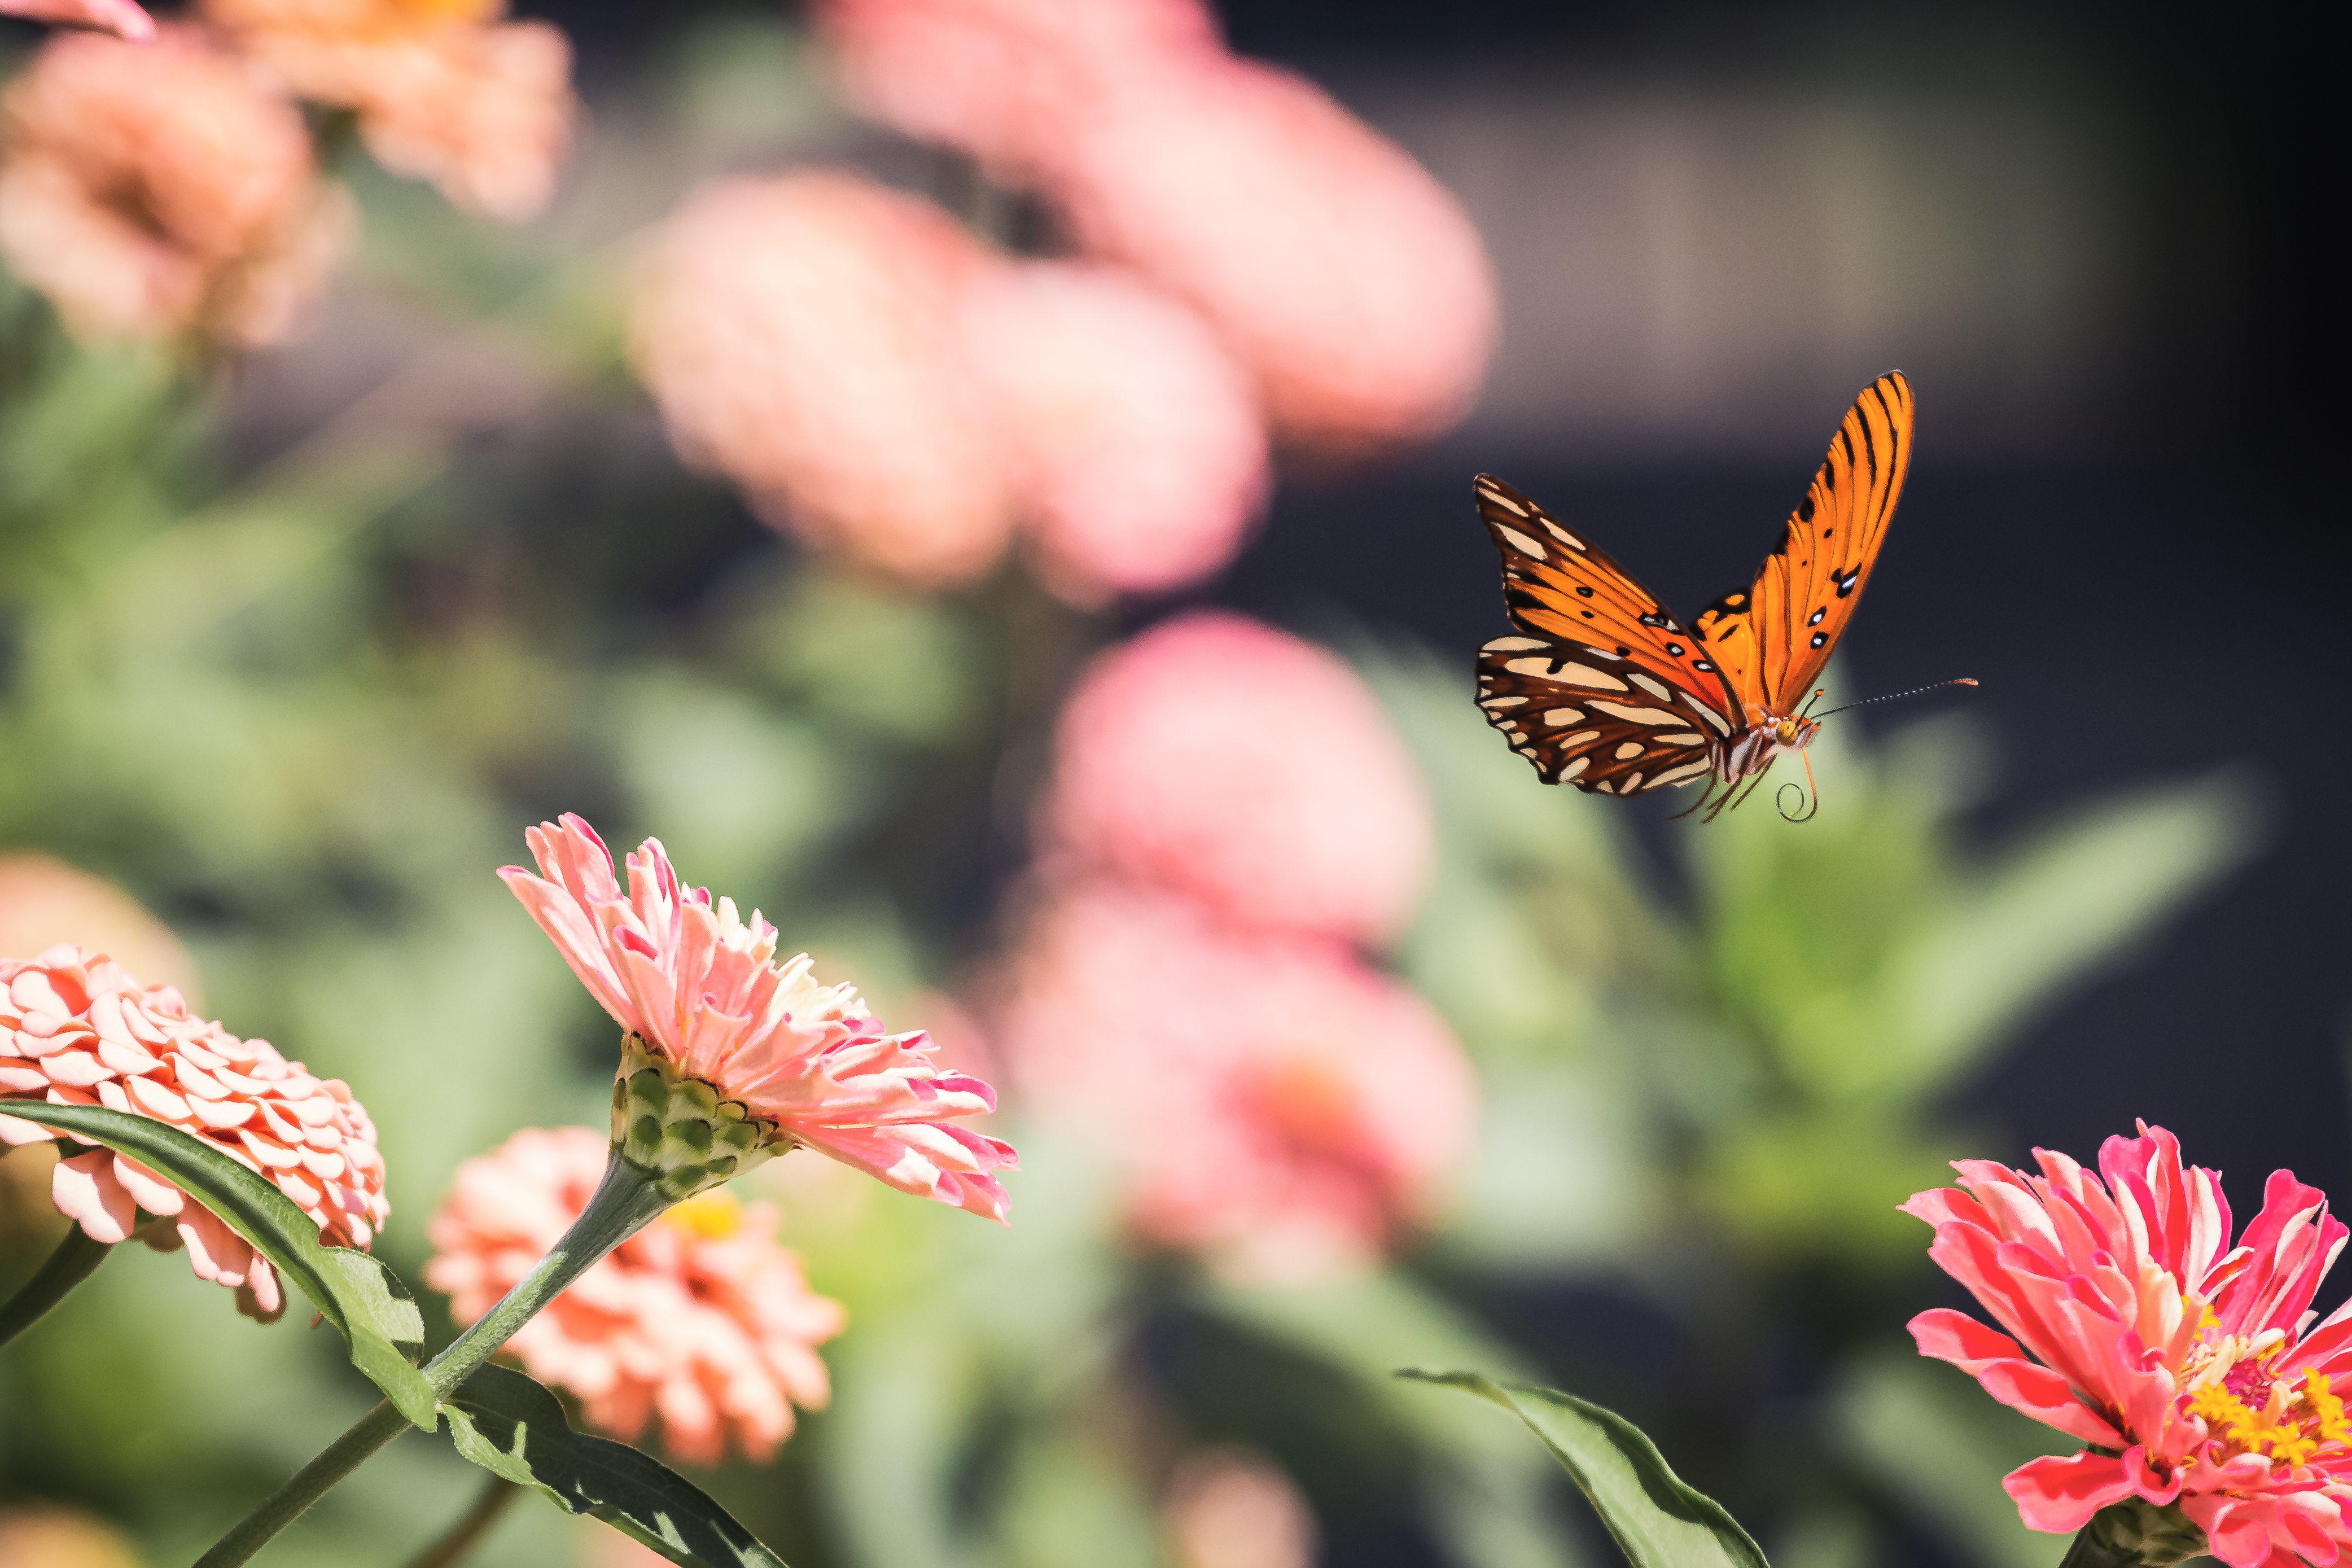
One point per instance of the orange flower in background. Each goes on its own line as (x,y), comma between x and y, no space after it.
(120,17)
(44,901)
(1138,450)
(76,1029)
(700,1318)
(801,335)
(1300,1110)
(155,189)
(443,90)
(1233,763)
(40,1536)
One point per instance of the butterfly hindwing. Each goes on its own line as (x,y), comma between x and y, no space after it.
(1772,640)
(1593,719)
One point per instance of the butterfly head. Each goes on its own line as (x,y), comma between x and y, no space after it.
(1794,734)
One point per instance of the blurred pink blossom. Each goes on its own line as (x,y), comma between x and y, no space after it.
(44,901)
(442,90)
(1303,1107)
(695,982)
(1008,81)
(1226,1509)
(700,1318)
(1223,759)
(76,1029)
(120,17)
(1341,273)
(155,189)
(1138,453)
(800,336)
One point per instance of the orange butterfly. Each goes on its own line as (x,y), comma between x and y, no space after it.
(1610,694)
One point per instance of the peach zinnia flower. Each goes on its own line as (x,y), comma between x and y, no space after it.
(76,1029)
(690,980)
(2191,1367)
(1223,759)
(1304,1109)
(443,90)
(155,189)
(120,17)
(700,1318)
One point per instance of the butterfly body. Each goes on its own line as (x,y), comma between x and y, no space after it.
(1606,690)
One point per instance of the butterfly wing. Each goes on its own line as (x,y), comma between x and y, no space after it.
(1608,691)
(1772,641)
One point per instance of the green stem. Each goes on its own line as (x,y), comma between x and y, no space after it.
(477,1524)
(75,1260)
(2089,1551)
(625,1202)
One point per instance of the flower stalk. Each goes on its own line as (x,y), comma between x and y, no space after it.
(77,1258)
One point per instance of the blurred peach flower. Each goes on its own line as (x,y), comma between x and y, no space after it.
(44,901)
(443,90)
(692,980)
(120,17)
(800,334)
(1303,1108)
(1138,450)
(155,189)
(76,1029)
(1231,1509)
(1223,759)
(700,1318)
(46,1536)
(1349,280)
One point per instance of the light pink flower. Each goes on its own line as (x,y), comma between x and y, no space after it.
(1301,1109)
(120,17)
(44,901)
(443,90)
(800,336)
(1138,452)
(700,1318)
(696,983)
(155,189)
(1010,82)
(2190,1366)
(1349,280)
(76,1029)
(1226,1509)
(1224,759)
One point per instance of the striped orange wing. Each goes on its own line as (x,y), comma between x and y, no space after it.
(1607,690)
(1772,640)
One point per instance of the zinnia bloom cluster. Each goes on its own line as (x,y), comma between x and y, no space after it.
(695,984)
(1350,283)
(155,189)
(700,1318)
(76,1029)
(2193,1368)
(881,383)
(1229,816)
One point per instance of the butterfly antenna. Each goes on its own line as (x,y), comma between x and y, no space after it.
(1816,697)
(1939,686)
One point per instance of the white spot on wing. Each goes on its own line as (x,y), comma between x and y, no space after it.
(1520,541)
(1639,715)
(1562,535)
(1580,737)
(1490,493)
(1584,675)
(1562,715)
(1502,701)
(1650,686)
(1529,667)
(1683,740)
(1513,645)
(1574,768)
(1681,775)
(1630,749)
(1721,725)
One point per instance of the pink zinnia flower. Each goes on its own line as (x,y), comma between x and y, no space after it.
(694,983)
(800,336)
(1304,1109)
(700,1318)
(2190,1366)
(76,1029)
(120,17)
(155,189)
(1223,759)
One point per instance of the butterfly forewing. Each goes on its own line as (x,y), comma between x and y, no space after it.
(1594,719)
(1772,640)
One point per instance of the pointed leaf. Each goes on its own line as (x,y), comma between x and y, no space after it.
(360,1295)
(1657,1520)
(511,1426)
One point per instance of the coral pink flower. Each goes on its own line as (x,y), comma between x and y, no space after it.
(1303,1109)
(700,1318)
(76,1029)
(120,17)
(800,334)
(1224,759)
(1137,449)
(442,91)
(155,189)
(44,901)
(692,980)
(1348,280)
(2190,1366)
(1226,1509)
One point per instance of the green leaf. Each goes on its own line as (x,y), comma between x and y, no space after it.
(511,1426)
(361,1296)
(1656,1520)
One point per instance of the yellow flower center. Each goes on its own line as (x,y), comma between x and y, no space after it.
(2292,1422)
(712,1216)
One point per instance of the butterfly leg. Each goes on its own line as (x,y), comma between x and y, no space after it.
(1727,803)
